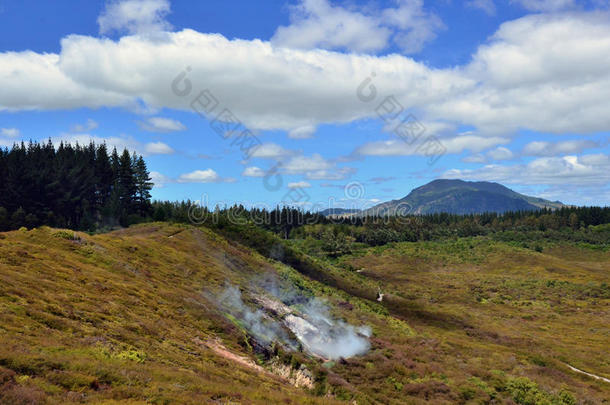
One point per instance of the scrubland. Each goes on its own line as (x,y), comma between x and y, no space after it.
(128,317)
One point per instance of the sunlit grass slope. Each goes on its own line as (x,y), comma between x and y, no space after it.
(115,317)
(120,317)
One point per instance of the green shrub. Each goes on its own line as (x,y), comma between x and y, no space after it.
(68,235)
(565,398)
(72,380)
(133,355)
(526,392)
(467,393)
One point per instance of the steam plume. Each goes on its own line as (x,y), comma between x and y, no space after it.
(308,319)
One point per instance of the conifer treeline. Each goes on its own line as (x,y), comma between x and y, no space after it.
(76,187)
(578,224)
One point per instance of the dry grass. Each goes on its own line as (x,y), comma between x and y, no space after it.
(119,317)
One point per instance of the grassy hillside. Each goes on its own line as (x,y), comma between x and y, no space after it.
(130,317)
(119,317)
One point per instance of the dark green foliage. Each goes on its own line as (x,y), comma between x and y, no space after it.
(77,187)
(462,197)
(530,229)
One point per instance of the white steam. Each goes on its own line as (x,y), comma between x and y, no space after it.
(326,337)
(260,325)
(308,319)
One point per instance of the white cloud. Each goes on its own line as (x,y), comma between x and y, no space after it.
(90,125)
(159,179)
(160,124)
(270,151)
(546,5)
(196,176)
(118,142)
(488,6)
(475,158)
(536,148)
(543,73)
(576,171)
(134,16)
(253,171)
(32,81)
(547,73)
(540,148)
(336,173)
(299,184)
(319,24)
(304,164)
(158,148)
(200,176)
(457,144)
(501,153)
(304,132)
(314,167)
(10,132)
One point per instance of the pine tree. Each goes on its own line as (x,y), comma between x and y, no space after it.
(103,176)
(127,183)
(143,187)
(78,187)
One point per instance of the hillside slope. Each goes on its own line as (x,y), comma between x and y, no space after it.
(461,197)
(122,317)
(135,316)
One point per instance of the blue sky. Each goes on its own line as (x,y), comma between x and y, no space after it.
(507,91)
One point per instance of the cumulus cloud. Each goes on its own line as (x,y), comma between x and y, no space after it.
(196,176)
(199,176)
(160,124)
(270,151)
(90,125)
(546,5)
(253,171)
(134,16)
(313,167)
(304,164)
(299,184)
(539,148)
(118,142)
(33,81)
(456,144)
(536,148)
(475,158)
(541,72)
(336,173)
(319,24)
(10,132)
(501,153)
(158,148)
(304,132)
(587,170)
(547,73)
(488,6)
(159,179)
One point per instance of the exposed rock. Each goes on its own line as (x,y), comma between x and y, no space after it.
(300,377)
(273,306)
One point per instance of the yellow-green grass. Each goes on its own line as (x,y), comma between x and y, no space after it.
(499,306)
(112,318)
(117,317)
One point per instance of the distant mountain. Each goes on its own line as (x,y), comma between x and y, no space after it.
(338,211)
(461,197)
